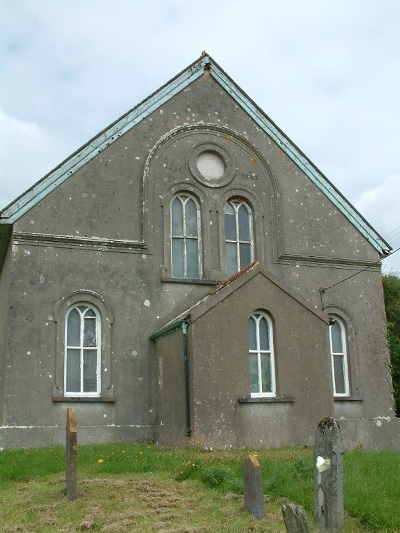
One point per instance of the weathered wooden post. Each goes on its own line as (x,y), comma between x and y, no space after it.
(71,453)
(328,477)
(252,487)
(294,518)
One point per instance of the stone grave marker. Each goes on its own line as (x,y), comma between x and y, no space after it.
(71,453)
(294,518)
(328,476)
(252,487)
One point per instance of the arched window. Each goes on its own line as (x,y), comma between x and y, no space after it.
(185,238)
(338,349)
(239,240)
(261,355)
(82,374)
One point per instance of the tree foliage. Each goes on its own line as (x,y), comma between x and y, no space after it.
(391,289)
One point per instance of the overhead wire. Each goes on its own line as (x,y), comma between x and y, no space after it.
(322,290)
(394,231)
(395,234)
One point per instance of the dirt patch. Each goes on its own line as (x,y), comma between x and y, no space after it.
(185,529)
(44,507)
(120,525)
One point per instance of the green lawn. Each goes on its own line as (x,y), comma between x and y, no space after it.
(133,487)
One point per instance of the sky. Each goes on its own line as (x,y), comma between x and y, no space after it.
(326,72)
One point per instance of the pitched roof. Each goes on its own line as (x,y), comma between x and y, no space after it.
(222,291)
(97,144)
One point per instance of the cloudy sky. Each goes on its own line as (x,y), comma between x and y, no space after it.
(326,71)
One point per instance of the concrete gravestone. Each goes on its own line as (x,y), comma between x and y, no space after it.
(253,488)
(328,476)
(71,453)
(294,518)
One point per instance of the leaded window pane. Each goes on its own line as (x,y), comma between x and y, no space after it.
(238,230)
(252,334)
(340,387)
(191,219)
(245,254)
(231,259)
(177,217)
(229,210)
(336,336)
(73,371)
(74,328)
(82,355)
(261,355)
(177,258)
(266,373)
(264,334)
(89,331)
(185,238)
(254,386)
(339,358)
(244,223)
(230,226)
(90,371)
(192,257)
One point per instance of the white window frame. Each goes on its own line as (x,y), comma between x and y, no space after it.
(344,356)
(258,351)
(184,198)
(236,203)
(81,348)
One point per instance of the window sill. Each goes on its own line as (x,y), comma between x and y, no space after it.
(271,399)
(347,398)
(189,280)
(98,399)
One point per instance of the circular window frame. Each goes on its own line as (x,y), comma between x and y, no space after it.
(227,176)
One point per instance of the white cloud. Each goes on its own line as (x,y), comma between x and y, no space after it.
(326,72)
(28,151)
(381,207)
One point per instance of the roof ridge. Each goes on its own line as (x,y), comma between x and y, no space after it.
(234,276)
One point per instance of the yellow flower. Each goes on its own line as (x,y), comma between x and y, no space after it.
(100,461)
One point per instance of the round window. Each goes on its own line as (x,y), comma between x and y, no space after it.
(210,165)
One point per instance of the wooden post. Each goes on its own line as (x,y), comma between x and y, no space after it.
(71,453)
(328,477)
(252,487)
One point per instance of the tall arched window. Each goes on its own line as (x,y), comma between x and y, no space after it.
(82,374)
(239,240)
(185,238)
(261,355)
(338,348)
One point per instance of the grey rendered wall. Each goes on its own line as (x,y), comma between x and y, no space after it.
(221,372)
(91,233)
(4,311)
(171,415)
(44,275)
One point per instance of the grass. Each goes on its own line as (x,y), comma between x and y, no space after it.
(137,487)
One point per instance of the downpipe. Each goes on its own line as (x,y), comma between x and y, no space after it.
(188,429)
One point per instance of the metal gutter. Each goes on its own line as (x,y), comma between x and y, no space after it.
(170,327)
